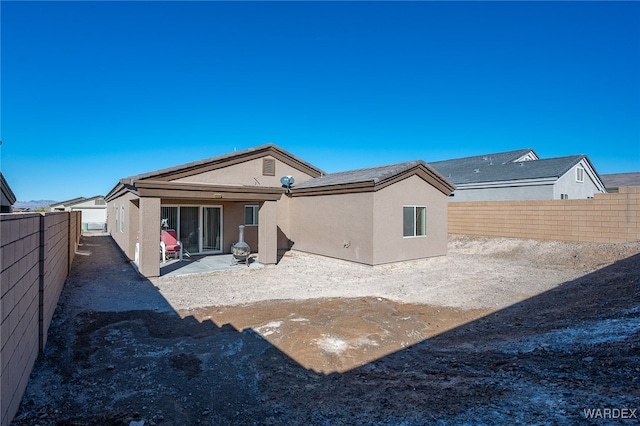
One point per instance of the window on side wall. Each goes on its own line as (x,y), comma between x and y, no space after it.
(251,215)
(414,221)
(579,174)
(121,218)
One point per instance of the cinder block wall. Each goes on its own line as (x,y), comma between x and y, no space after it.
(56,265)
(19,330)
(36,251)
(607,218)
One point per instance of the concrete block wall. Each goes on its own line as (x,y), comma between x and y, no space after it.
(19,330)
(56,266)
(36,251)
(607,218)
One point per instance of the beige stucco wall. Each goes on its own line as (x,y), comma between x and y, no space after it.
(245,173)
(389,244)
(126,239)
(367,227)
(284,220)
(339,226)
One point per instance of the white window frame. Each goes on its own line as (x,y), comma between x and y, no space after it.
(580,174)
(256,210)
(414,223)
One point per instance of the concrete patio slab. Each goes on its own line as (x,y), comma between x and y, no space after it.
(198,264)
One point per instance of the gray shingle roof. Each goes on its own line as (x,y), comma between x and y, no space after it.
(371,174)
(481,160)
(616,180)
(501,167)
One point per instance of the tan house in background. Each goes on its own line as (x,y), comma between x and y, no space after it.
(372,216)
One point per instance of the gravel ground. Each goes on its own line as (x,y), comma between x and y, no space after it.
(497,332)
(476,273)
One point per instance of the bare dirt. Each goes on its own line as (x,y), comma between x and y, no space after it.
(497,332)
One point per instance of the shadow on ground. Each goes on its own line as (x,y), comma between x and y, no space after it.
(542,361)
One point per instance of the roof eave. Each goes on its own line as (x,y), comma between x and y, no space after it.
(226,160)
(344,188)
(7,191)
(119,190)
(508,183)
(164,189)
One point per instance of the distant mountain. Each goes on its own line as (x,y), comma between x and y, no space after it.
(33,204)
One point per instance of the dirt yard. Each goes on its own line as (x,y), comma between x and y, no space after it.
(497,332)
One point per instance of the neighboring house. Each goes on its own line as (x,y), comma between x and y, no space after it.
(7,197)
(94,211)
(520,175)
(372,216)
(614,181)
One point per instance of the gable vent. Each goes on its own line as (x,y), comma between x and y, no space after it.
(268,167)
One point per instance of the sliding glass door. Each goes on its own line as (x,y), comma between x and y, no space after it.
(199,228)
(211,229)
(189,233)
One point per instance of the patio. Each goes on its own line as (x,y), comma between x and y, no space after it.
(198,264)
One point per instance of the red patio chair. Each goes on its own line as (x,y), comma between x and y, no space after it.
(169,244)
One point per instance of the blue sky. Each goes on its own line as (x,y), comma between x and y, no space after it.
(96,91)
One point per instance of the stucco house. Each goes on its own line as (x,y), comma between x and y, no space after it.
(7,197)
(520,175)
(94,211)
(372,216)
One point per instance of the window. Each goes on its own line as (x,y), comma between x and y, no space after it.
(268,167)
(564,196)
(414,221)
(121,218)
(251,215)
(579,174)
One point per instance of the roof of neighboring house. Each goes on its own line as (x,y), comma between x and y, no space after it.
(78,203)
(223,160)
(68,202)
(485,159)
(7,193)
(616,180)
(504,167)
(376,176)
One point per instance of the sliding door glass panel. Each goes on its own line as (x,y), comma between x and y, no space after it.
(212,226)
(189,228)
(171,214)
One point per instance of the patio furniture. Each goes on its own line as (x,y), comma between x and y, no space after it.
(169,244)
